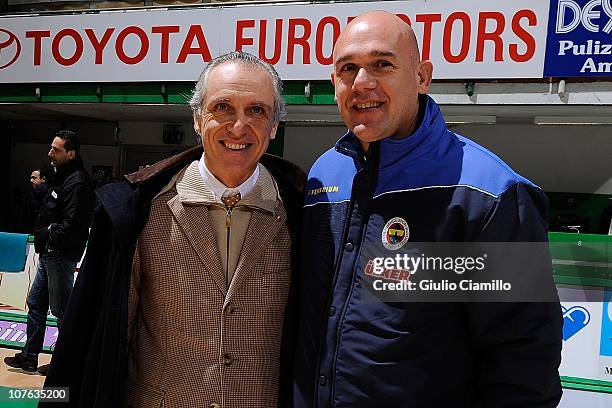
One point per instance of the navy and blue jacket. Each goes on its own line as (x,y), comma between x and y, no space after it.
(381,354)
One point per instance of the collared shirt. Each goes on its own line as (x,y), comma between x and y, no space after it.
(218,188)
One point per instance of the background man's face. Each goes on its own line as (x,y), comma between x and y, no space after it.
(35,178)
(376,80)
(236,122)
(58,154)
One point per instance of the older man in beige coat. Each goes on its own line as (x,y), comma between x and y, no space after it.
(209,309)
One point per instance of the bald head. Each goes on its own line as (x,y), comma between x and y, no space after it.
(382,24)
(378,76)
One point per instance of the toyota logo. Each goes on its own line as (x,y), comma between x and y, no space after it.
(10,48)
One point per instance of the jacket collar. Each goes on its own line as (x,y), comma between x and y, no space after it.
(168,165)
(428,134)
(64,171)
(192,189)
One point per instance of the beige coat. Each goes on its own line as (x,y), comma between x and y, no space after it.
(193,341)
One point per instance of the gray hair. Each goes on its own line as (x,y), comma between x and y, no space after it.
(244,59)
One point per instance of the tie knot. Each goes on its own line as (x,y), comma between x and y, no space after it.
(230,198)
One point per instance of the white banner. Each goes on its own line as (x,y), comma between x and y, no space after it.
(587,344)
(468,39)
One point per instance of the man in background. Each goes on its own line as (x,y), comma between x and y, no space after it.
(39,179)
(36,178)
(60,236)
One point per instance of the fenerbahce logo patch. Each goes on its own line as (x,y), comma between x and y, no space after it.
(395,233)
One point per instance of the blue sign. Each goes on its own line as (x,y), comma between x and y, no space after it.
(575,319)
(579,41)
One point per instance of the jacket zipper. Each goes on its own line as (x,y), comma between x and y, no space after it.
(351,153)
(228,228)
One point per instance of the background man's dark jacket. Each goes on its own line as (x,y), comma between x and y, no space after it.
(36,197)
(91,352)
(65,212)
(29,209)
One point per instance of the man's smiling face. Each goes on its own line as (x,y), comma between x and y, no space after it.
(377,77)
(236,120)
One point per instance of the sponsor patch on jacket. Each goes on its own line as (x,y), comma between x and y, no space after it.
(395,233)
(393,274)
(325,189)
